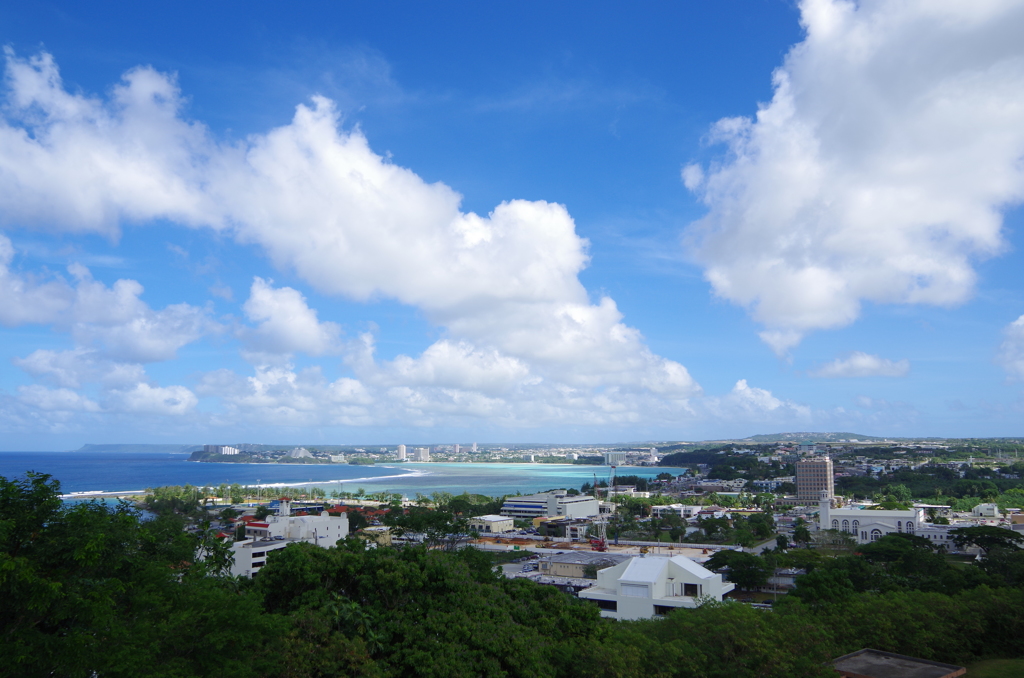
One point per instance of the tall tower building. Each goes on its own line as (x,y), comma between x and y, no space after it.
(401,453)
(474,448)
(455,448)
(814,476)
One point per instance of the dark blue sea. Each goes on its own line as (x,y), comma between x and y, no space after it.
(133,471)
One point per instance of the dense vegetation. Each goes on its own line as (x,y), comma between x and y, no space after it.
(90,589)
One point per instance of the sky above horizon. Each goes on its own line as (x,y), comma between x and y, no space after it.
(534,222)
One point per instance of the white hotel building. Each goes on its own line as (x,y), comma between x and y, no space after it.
(281,530)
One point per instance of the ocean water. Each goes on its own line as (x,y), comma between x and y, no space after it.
(122,472)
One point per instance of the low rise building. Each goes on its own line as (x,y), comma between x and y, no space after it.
(577,563)
(277,532)
(986,511)
(491,523)
(574,529)
(551,504)
(685,511)
(645,587)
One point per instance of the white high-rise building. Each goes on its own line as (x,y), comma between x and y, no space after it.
(401,453)
(420,454)
(220,449)
(455,448)
(474,448)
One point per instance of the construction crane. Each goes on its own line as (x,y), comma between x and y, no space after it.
(601,542)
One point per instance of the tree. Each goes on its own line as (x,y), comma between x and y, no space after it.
(986,537)
(823,587)
(434,527)
(262,512)
(746,570)
(801,534)
(899,493)
(90,589)
(781,542)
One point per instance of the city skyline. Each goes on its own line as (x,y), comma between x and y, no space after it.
(510,223)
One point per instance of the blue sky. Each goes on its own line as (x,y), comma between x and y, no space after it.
(348,223)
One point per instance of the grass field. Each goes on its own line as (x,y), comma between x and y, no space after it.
(997,668)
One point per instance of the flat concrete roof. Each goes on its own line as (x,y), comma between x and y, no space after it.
(868,663)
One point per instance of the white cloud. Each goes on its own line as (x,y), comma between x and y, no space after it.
(1011,352)
(72,369)
(286,323)
(753,404)
(23,300)
(60,399)
(69,162)
(860,364)
(112,319)
(878,171)
(146,399)
(125,327)
(277,395)
(321,203)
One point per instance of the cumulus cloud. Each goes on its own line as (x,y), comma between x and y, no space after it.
(750,403)
(59,399)
(860,364)
(286,322)
(321,203)
(73,368)
(1011,352)
(879,170)
(278,395)
(24,300)
(146,399)
(112,319)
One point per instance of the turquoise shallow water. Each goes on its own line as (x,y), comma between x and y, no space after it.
(91,472)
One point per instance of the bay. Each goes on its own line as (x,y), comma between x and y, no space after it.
(123,472)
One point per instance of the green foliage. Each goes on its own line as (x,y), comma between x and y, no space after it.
(986,537)
(422,612)
(435,527)
(746,570)
(89,589)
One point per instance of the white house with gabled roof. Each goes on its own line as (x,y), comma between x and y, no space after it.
(648,586)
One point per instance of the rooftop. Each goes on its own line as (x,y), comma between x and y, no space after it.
(587,557)
(868,663)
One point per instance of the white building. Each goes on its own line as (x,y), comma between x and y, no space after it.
(278,531)
(420,454)
(551,505)
(685,511)
(867,525)
(456,448)
(614,458)
(401,453)
(644,587)
(220,449)
(299,453)
(986,511)
(491,523)
(473,449)
(627,491)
